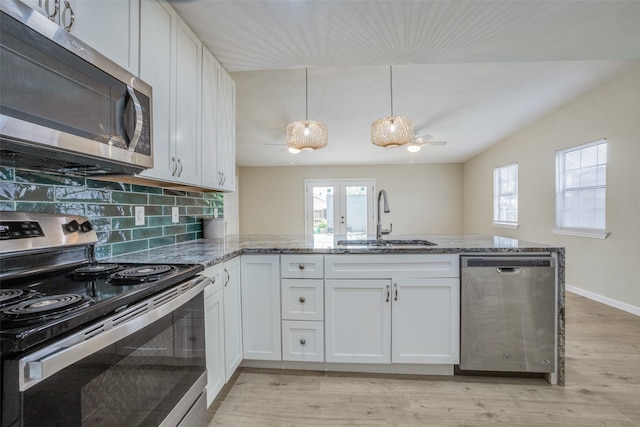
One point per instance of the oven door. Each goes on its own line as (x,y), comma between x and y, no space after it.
(147,370)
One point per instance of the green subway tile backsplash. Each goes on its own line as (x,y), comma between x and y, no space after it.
(110,208)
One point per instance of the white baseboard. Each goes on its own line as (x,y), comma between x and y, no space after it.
(605,300)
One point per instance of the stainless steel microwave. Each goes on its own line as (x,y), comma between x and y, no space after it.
(65,107)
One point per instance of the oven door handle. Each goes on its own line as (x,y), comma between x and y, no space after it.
(44,363)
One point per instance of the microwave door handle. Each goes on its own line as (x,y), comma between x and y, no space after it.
(134,135)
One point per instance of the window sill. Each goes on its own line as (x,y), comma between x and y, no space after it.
(578,232)
(511,225)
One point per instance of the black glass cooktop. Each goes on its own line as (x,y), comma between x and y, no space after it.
(42,306)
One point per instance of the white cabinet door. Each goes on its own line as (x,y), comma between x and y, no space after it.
(158,23)
(187,132)
(260,279)
(232,317)
(214,330)
(425,320)
(226,159)
(209,161)
(112,28)
(358,321)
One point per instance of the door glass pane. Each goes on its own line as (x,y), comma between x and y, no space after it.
(356,210)
(323,225)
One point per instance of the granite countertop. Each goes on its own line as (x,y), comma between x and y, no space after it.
(212,251)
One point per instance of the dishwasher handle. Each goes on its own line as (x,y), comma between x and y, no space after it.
(508,270)
(507,264)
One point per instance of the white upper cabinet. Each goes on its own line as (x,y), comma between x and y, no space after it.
(187,150)
(218,125)
(210,71)
(170,60)
(110,27)
(158,28)
(226,131)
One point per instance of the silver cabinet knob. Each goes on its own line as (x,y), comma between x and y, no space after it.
(302,300)
(301,266)
(303,341)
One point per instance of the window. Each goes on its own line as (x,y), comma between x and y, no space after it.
(341,208)
(505,196)
(581,184)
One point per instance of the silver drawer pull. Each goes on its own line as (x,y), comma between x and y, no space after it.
(302,300)
(303,341)
(301,266)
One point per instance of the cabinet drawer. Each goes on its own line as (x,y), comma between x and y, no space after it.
(303,341)
(302,299)
(302,266)
(391,266)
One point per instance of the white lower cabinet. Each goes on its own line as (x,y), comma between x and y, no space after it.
(425,322)
(358,321)
(223,324)
(261,307)
(232,316)
(214,332)
(302,341)
(399,319)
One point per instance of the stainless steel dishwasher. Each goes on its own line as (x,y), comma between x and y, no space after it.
(507,313)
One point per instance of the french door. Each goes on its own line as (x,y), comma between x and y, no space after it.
(338,208)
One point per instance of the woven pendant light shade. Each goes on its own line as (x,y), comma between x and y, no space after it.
(306,135)
(392,131)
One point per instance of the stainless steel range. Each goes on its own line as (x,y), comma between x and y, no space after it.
(89,343)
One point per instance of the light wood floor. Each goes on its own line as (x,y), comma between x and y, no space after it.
(602,389)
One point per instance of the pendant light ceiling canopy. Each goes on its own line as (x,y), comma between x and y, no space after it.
(392,131)
(306,135)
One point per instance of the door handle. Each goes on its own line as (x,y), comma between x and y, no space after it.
(72,17)
(56,9)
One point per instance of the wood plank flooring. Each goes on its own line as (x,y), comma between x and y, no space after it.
(602,389)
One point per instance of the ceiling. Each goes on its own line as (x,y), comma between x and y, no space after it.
(467,72)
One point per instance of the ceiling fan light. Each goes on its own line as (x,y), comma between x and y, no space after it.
(413,148)
(392,132)
(293,150)
(307,135)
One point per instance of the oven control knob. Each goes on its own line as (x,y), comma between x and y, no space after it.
(86,226)
(72,226)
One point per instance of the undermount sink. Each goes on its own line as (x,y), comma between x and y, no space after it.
(382,242)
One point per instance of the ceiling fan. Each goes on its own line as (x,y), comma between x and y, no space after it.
(422,140)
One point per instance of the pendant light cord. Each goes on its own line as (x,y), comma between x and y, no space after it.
(306,94)
(391,84)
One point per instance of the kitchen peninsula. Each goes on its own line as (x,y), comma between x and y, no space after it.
(297,262)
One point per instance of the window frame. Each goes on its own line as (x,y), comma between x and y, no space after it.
(562,189)
(499,194)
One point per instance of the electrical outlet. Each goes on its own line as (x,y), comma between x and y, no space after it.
(215,212)
(139,215)
(175,215)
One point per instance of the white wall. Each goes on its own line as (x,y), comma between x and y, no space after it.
(608,268)
(424,199)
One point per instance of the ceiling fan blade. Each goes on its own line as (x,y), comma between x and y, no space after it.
(434,143)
